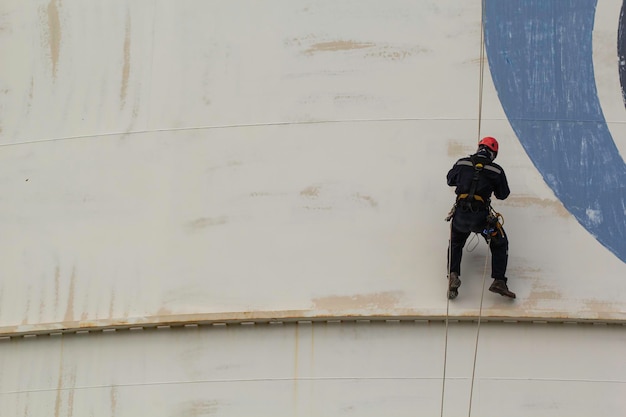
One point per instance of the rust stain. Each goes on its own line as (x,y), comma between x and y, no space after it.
(334,46)
(204,222)
(311,192)
(112,303)
(381,300)
(69,312)
(113,399)
(57,278)
(367,199)
(59,398)
(54,34)
(42,303)
(600,308)
(25,319)
(371,50)
(540,292)
(526,200)
(126,65)
(164,312)
(70,399)
(538,296)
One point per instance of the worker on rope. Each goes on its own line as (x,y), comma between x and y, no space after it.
(476,177)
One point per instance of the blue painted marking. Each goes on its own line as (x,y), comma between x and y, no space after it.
(540,58)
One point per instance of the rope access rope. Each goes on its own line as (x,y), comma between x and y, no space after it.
(480,314)
(445,352)
(481,75)
(482,293)
(445,344)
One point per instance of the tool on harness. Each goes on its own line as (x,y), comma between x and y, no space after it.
(494,224)
(490,229)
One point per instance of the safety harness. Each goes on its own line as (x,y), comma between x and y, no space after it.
(470,198)
(474,202)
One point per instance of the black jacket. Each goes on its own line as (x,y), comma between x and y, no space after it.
(490,180)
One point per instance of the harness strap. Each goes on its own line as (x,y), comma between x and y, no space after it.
(476,197)
(488,167)
(478,167)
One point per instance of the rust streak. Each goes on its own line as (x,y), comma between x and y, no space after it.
(527,200)
(57,278)
(69,312)
(112,303)
(311,192)
(126,65)
(367,199)
(204,222)
(54,34)
(335,46)
(113,398)
(59,398)
(25,319)
(70,399)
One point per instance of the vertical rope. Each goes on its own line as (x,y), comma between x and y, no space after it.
(445,348)
(480,108)
(480,314)
(481,75)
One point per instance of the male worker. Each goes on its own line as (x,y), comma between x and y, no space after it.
(476,177)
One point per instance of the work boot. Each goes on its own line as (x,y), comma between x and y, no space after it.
(454,282)
(499,287)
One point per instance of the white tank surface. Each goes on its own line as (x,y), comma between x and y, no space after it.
(226,208)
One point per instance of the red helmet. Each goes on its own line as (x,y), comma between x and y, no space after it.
(490,143)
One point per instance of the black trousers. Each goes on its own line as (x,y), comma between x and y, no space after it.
(466,222)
